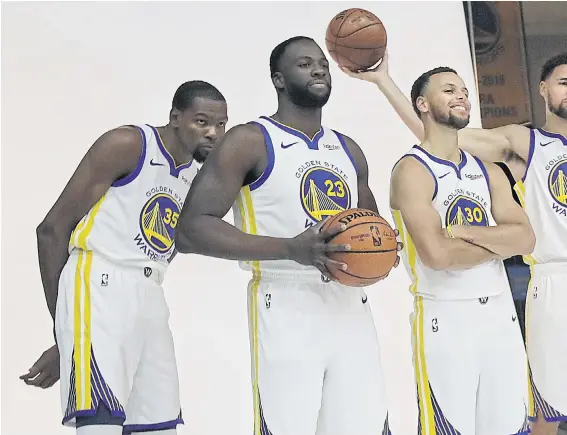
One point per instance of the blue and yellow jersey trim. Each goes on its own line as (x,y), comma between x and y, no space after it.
(248,225)
(520,189)
(80,235)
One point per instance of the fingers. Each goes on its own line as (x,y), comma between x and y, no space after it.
(396,232)
(325,274)
(337,248)
(331,232)
(397,262)
(33,372)
(36,382)
(317,227)
(49,381)
(399,246)
(336,264)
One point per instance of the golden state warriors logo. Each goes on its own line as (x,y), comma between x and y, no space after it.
(324,193)
(158,221)
(466,211)
(557,182)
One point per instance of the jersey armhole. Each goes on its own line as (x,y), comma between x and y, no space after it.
(419,159)
(132,175)
(253,185)
(530,153)
(346,150)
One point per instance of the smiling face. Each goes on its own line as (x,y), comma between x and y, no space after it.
(303,75)
(445,101)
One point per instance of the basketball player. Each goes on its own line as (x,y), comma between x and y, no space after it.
(315,354)
(458,220)
(118,215)
(537,157)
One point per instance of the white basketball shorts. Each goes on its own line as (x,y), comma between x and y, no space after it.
(546,337)
(471,367)
(316,365)
(115,344)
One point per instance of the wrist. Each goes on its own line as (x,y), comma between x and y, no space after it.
(288,249)
(459,232)
(382,80)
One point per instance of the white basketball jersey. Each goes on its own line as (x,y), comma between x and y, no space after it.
(133,224)
(543,194)
(462,197)
(305,181)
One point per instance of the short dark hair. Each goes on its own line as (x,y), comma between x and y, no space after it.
(419,86)
(188,91)
(278,52)
(551,64)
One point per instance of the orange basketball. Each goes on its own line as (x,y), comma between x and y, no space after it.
(356,39)
(373,247)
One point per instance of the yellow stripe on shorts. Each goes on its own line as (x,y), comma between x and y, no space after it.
(246,207)
(426,413)
(82,311)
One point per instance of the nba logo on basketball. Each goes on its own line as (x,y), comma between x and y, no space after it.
(376,239)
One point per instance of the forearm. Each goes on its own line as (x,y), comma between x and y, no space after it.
(53,254)
(458,255)
(506,240)
(211,236)
(401,105)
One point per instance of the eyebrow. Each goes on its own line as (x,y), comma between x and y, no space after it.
(454,86)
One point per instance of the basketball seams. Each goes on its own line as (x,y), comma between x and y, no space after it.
(371,278)
(376,23)
(369,252)
(343,22)
(358,48)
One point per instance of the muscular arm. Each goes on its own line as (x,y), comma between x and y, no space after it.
(201,228)
(508,144)
(412,189)
(114,155)
(365,196)
(513,235)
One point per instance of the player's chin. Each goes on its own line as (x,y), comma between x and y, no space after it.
(202,153)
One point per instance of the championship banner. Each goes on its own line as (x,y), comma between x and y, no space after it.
(500,63)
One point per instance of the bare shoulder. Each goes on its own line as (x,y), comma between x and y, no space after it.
(410,168)
(119,142)
(410,178)
(244,135)
(518,137)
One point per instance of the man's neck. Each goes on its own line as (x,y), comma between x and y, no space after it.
(306,120)
(555,124)
(172,144)
(442,141)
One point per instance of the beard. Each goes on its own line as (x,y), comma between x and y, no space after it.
(303,97)
(559,110)
(201,154)
(450,120)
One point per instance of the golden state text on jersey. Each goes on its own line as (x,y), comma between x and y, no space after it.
(306,181)
(134,222)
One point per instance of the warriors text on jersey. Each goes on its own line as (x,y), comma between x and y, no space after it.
(305,181)
(461,197)
(543,194)
(133,224)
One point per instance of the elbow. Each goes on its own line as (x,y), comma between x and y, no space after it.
(45,230)
(185,238)
(528,241)
(436,260)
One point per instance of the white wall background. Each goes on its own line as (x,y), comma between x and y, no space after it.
(70,71)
